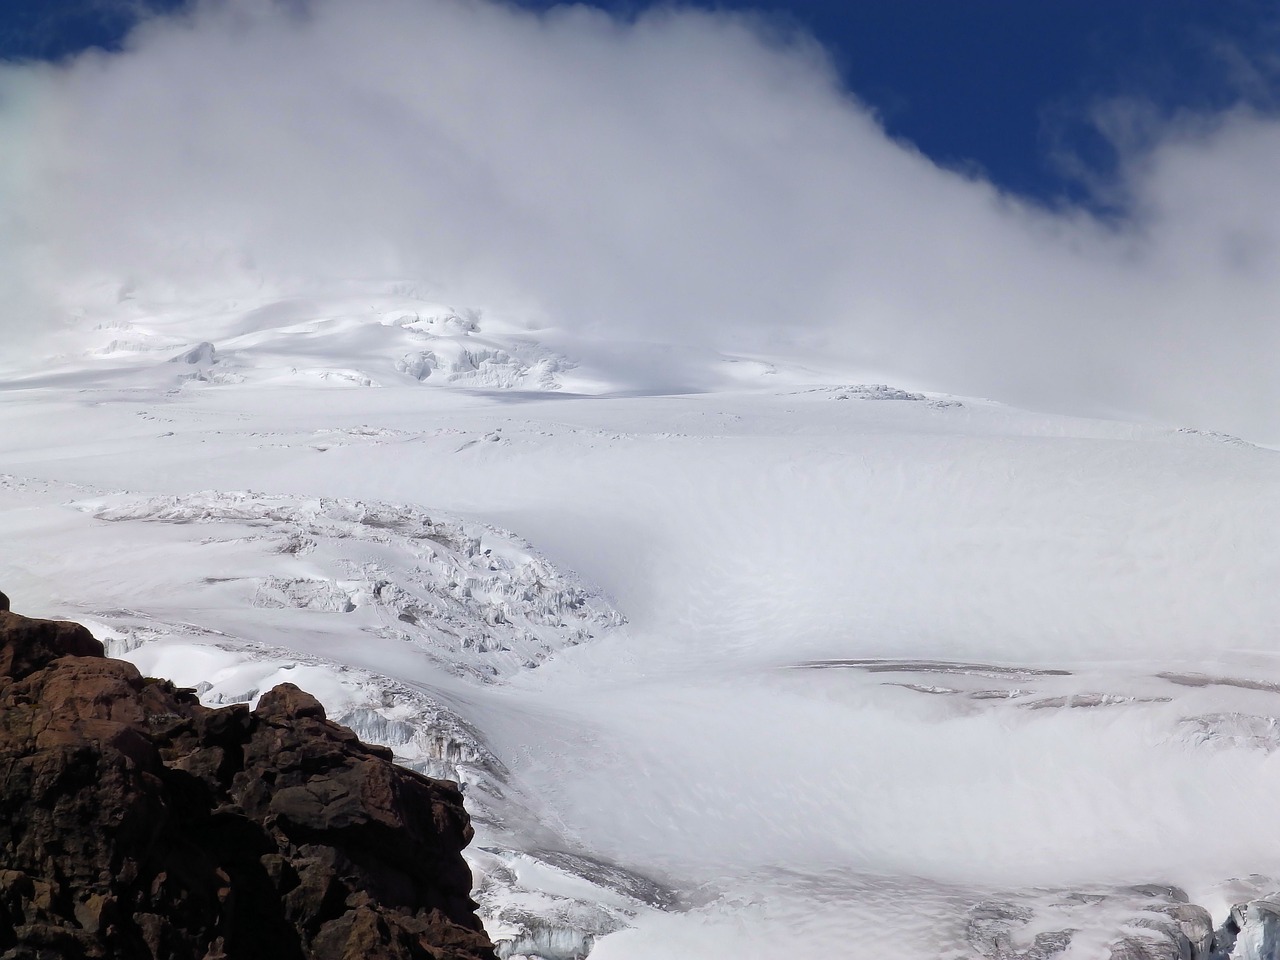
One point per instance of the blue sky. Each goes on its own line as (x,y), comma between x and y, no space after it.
(1009,89)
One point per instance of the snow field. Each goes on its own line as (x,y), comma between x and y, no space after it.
(835,663)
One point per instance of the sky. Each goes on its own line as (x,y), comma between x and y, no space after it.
(1004,88)
(1069,205)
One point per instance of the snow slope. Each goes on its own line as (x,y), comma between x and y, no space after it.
(736,658)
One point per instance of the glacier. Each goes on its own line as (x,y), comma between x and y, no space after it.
(733,657)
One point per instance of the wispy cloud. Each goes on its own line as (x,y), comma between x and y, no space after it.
(686,176)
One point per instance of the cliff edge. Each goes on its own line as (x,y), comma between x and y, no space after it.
(136,823)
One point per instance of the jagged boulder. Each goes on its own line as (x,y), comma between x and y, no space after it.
(1175,929)
(1251,931)
(136,823)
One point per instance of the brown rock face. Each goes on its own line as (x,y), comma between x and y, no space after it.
(136,823)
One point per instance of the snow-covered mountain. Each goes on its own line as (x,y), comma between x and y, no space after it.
(735,657)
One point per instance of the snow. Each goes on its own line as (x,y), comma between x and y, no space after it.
(728,669)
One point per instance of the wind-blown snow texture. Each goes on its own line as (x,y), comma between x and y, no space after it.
(786,665)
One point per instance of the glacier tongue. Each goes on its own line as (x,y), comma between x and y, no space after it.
(536,900)
(256,590)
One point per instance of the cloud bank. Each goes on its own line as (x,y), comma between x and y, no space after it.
(686,177)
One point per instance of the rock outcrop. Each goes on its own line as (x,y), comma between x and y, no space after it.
(136,823)
(1250,932)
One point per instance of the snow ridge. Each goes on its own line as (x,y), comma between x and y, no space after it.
(478,600)
(363,335)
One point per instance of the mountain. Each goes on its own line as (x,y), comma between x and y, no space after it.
(728,653)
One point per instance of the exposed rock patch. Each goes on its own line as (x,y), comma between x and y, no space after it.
(136,823)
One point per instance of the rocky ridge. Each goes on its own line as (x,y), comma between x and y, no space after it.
(135,822)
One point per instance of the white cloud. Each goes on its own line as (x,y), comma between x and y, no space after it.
(686,176)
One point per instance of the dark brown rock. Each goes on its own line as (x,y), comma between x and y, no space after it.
(136,823)
(32,644)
